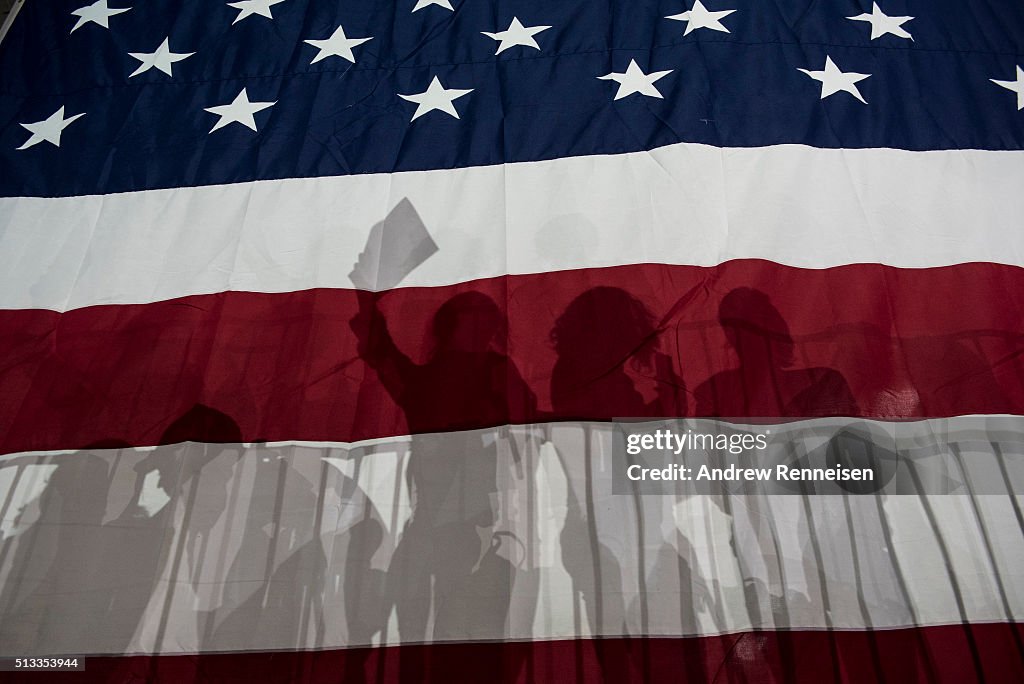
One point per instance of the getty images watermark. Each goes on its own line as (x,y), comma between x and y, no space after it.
(813,456)
(667,441)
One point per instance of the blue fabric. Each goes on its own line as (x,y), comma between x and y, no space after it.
(734,89)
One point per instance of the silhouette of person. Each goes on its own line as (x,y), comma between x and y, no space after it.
(676,591)
(363,587)
(138,544)
(444,568)
(278,561)
(466,382)
(47,605)
(607,345)
(606,341)
(765,384)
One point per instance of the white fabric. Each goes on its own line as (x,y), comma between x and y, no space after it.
(287,546)
(681,204)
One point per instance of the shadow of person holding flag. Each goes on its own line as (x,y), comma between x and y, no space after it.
(446,580)
(434,576)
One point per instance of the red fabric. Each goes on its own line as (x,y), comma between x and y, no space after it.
(957,654)
(649,341)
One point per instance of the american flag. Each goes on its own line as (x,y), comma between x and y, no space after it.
(315,317)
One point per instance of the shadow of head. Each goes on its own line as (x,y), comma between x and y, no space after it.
(755,328)
(468,322)
(200,424)
(604,325)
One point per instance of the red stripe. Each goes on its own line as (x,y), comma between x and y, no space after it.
(286,366)
(954,654)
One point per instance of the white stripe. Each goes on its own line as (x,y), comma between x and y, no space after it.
(89,543)
(682,204)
